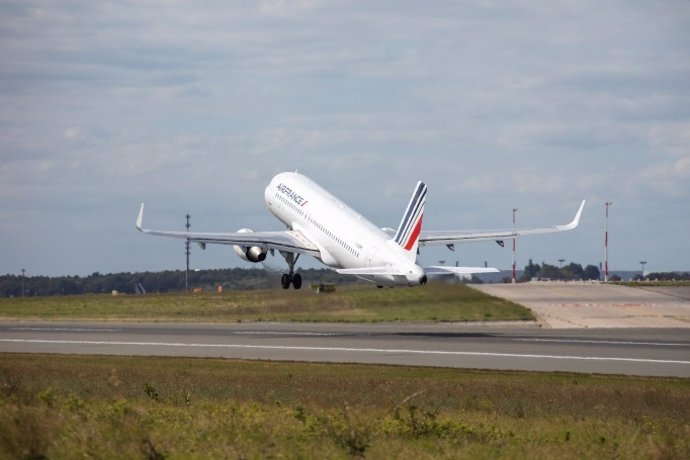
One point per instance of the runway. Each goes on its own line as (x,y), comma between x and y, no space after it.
(652,352)
(560,305)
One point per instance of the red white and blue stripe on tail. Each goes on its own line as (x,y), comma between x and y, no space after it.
(410,227)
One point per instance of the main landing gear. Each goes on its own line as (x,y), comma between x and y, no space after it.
(291,278)
(287,279)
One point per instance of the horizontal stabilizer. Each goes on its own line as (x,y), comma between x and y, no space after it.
(383,270)
(430,271)
(443,270)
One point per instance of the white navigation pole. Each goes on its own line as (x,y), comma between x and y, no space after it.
(606,242)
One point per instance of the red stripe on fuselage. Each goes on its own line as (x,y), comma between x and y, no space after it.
(415,234)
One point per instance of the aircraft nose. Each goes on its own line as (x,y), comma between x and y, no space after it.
(268,191)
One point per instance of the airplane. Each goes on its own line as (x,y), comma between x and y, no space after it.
(320,225)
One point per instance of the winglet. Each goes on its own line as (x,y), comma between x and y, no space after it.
(140,218)
(575,221)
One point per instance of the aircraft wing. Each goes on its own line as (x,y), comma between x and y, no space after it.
(288,241)
(451,237)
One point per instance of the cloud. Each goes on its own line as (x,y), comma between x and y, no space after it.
(195,105)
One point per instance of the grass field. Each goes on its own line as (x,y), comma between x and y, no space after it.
(350,304)
(122,407)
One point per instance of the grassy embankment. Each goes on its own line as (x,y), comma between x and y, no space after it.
(123,407)
(349,304)
(654,283)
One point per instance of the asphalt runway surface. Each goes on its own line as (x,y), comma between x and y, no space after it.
(507,346)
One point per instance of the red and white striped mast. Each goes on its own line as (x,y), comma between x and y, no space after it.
(606,242)
(514,238)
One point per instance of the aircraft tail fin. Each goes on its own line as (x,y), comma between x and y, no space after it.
(410,226)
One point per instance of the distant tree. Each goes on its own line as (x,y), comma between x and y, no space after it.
(531,271)
(550,272)
(573,271)
(68,286)
(592,272)
(669,276)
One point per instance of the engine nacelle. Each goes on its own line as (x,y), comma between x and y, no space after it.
(249,253)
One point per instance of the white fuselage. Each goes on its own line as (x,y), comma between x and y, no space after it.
(344,238)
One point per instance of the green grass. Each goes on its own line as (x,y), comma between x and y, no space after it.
(653,283)
(350,304)
(123,407)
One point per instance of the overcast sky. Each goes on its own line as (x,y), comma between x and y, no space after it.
(194,106)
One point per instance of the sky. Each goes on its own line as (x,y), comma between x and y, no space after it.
(193,106)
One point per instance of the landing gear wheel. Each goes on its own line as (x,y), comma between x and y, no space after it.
(291,278)
(285,281)
(297,281)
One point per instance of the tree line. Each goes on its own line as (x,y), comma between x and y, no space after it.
(155,282)
(246,279)
(574,271)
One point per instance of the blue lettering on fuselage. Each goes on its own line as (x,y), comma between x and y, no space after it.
(291,194)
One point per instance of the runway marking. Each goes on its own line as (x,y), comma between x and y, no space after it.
(342,349)
(75,329)
(605,342)
(62,329)
(309,334)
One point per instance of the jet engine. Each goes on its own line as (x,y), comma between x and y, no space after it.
(249,253)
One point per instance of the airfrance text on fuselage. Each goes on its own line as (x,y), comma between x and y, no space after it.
(294,196)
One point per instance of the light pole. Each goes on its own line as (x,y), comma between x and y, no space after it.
(187,252)
(23,273)
(514,238)
(606,242)
(642,263)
